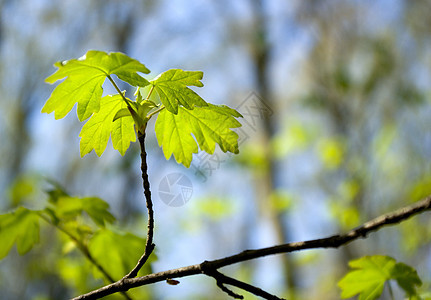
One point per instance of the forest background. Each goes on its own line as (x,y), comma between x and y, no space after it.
(341,135)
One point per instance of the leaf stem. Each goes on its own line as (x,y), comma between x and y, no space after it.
(119,91)
(150,92)
(155,112)
(149,245)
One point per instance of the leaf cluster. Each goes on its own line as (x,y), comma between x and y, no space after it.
(87,225)
(185,121)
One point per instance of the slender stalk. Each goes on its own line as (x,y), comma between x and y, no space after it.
(119,91)
(149,93)
(155,112)
(149,246)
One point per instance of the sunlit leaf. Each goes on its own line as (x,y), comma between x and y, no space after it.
(95,133)
(20,227)
(123,112)
(98,210)
(172,88)
(210,125)
(66,208)
(84,79)
(372,272)
(117,253)
(76,271)
(143,93)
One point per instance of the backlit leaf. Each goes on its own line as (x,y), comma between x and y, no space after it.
(124,112)
(172,88)
(95,133)
(371,273)
(117,253)
(98,210)
(66,208)
(84,79)
(210,125)
(20,227)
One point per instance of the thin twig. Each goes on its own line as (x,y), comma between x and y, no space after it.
(222,279)
(228,291)
(335,241)
(149,246)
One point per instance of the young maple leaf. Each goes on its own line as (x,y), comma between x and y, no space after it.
(372,272)
(210,125)
(20,227)
(95,133)
(172,88)
(84,79)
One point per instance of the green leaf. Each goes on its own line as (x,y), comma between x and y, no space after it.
(144,108)
(172,88)
(124,112)
(20,227)
(117,253)
(143,93)
(65,208)
(210,124)
(407,278)
(372,272)
(98,210)
(84,79)
(95,133)
(75,270)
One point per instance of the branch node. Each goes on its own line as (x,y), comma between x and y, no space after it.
(206,267)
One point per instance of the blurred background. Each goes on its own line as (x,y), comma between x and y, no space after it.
(336,103)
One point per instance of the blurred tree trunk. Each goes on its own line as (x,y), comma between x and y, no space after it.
(260,49)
